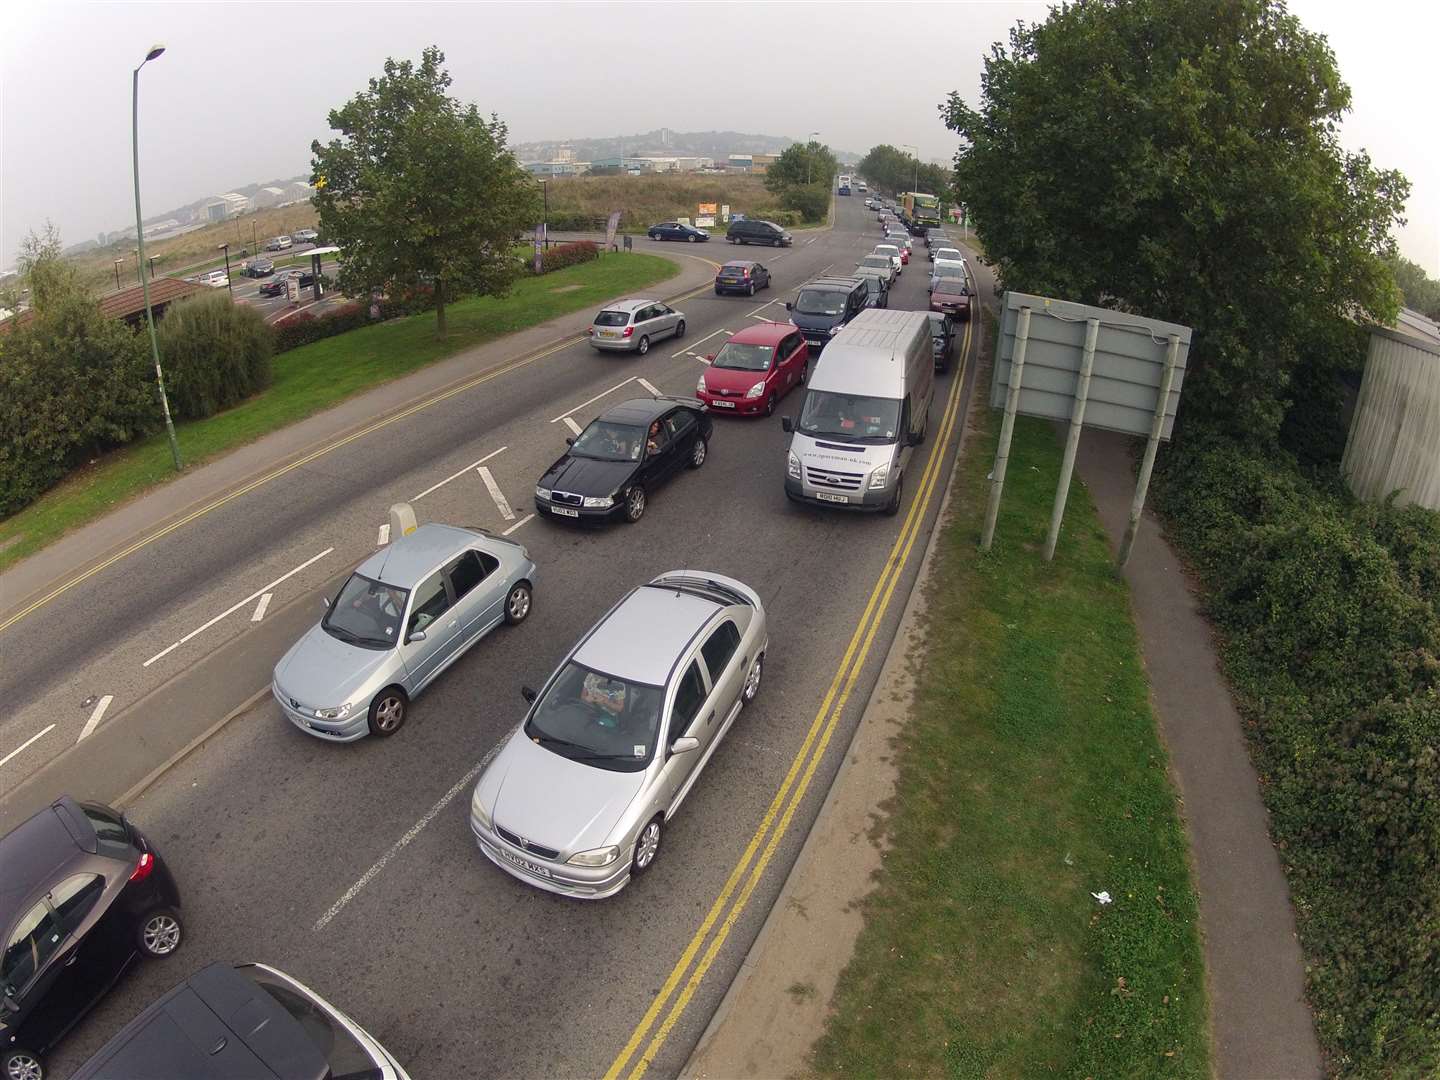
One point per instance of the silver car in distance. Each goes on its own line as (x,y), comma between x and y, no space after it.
(576,799)
(406,614)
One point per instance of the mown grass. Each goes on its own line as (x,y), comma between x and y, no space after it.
(317,376)
(1031,776)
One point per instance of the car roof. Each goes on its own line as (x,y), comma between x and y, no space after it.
(638,410)
(34,853)
(834,284)
(645,634)
(739,262)
(762,333)
(630,303)
(406,561)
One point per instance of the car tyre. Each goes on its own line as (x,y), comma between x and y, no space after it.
(750,289)
(698,453)
(752,680)
(647,846)
(691,239)
(719,291)
(634,504)
(643,345)
(518,603)
(388,712)
(893,506)
(22,1064)
(160,933)
(770,405)
(680,329)
(804,372)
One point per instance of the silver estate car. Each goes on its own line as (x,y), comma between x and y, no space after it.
(406,614)
(576,799)
(635,324)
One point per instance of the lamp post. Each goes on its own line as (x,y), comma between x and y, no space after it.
(139,267)
(117,273)
(154,53)
(225,248)
(545,193)
(914,153)
(151,261)
(809,157)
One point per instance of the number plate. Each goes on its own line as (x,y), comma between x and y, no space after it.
(609,333)
(524,864)
(825,496)
(722,404)
(564,511)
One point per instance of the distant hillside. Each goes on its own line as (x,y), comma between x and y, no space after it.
(662,142)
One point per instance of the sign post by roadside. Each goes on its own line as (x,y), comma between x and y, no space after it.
(539,248)
(610,227)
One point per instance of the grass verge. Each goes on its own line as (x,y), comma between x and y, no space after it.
(1030,777)
(314,377)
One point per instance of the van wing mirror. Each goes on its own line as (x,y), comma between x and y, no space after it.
(787,424)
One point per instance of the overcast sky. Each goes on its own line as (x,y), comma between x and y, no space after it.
(244,87)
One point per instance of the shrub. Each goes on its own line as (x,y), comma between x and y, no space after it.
(784,218)
(216,354)
(572,254)
(303,327)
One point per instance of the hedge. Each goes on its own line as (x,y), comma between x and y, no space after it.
(785,218)
(1329,614)
(571,254)
(217,353)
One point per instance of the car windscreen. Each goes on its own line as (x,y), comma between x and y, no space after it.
(597,719)
(738,356)
(880,262)
(820,302)
(849,417)
(609,441)
(612,318)
(952,286)
(366,613)
(348,1060)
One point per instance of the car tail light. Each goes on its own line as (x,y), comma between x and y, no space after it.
(590,330)
(629,331)
(143,867)
(747,272)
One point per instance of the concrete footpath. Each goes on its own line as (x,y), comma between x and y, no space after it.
(196,488)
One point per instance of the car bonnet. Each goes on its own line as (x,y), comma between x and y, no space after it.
(322,671)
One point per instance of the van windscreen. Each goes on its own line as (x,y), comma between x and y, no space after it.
(820,302)
(849,417)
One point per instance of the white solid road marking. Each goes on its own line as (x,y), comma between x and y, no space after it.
(697,356)
(26,743)
(501,503)
(260,607)
(236,607)
(594,399)
(462,472)
(517,524)
(647,386)
(95,717)
(572,425)
(383,536)
(707,337)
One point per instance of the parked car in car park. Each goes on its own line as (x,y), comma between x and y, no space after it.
(822,307)
(754,369)
(83,896)
(674,230)
(631,325)
(621,457)
(577,800)
(741,276)
(216,279)
(246,1020)
(951,296)
(258,268)
(279,285)
(304,236)
(405,614)
(754,231)
(278,243)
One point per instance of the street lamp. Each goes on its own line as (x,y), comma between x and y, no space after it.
(915,153)
(809,157)
(117,273)
(226,249)
(154,53)
(545,194)
(151,261)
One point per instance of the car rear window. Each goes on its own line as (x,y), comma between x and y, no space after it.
(953,286)
(612,318)
(106,826)
(347,1058)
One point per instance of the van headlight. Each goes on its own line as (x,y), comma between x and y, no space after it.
(542,493)
(339,712)
(792,466)
(756,390)
(600,502)
(880,477)
(600,856)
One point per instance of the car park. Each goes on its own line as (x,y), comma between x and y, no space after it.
(577,800)
(754,369)
(631,325)
(942,268)
(942,337)
(823,306)
(83,896)
(674,230)
(951,296)
(616,463)
(278,243)
(403,616)
(741,276)
(246,1020)
(279,285)
(892,252)
(304,236)
(754,231)
(880,263)
(216,279)
(258,268)
(940,253)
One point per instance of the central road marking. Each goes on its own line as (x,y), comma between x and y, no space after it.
(501,503)
(236,607)
(462,472)
(27,742)
(95,716)
(572,425)
(260,607)
(592,401)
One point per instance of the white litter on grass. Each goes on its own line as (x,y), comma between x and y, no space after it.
(1103,897)
(1069,859)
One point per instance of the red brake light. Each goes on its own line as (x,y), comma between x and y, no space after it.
(629,331)
(143,867)
(747,271)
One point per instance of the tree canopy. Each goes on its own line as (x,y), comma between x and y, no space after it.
(1180,158)
(1421,291)
(421,188)
(801,176)
(894,171)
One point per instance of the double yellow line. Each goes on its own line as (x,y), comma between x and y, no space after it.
(792,790)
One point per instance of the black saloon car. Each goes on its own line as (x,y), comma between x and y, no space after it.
(622,456)
(83,894)
(741,276)
(673,230)
(279,286)
(259,268)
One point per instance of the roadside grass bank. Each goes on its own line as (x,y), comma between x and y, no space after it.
(1030,777)
(314,377)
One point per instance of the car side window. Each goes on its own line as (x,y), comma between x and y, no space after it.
(657,439)
(74,897)
(644,313)
(679,422)
(465,573)
(720,648)
(689,696)
(431,601)
(33,941)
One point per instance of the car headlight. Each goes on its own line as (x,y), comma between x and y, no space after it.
(700,385)
(599,502)
(542,493)
(756,390)
(792,466)
(880,477)
(600,856)
(339,712)
(478,811)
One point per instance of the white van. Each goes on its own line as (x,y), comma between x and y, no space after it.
(866,407)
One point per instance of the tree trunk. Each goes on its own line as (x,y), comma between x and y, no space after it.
(439,307)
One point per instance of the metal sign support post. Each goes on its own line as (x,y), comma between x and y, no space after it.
(1007,429)
(1147,463)
(1072,440)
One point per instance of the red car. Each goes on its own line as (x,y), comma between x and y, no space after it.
(752,370)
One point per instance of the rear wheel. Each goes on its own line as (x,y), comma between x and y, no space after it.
(21,1064)
(387,712)
(647,846)
(159,933)
(518,603)
(644,345)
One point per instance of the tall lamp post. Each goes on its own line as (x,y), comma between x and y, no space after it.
(809,157)
(226,249)
(154,53)
(545,193)
(117,273)
(914,153)
(151,261)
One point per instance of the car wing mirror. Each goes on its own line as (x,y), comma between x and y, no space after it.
(710,356)
(528,694)
(569,440)
(787,424)
(789,306)
(416,635)
(326,601)
(684,745)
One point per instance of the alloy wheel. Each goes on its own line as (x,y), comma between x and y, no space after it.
(517,604)
(161,934)
(647,845)
(752,680)
(644,345)
(389,713)
(23,1065)
(697,455)
(635,503)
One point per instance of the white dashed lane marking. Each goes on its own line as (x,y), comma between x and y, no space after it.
(501,503)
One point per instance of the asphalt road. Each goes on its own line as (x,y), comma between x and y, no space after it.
(353,866)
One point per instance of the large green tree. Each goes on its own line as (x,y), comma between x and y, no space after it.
(421,187)
(893,171)
(1421,291)
(801,176)
(1180,158)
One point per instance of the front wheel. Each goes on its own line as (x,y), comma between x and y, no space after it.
(159,933)
(893,506)
(387,712)
(22,1064)
(647,846)
(770,405)
(680,329)
(698,454)
(752,680)
(517,604)
(635,504)
(691,239)
(643,346)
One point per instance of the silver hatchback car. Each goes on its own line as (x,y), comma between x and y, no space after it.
(633,325)
(406,614)
(576,800)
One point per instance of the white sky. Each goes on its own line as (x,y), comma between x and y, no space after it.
(244,87)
